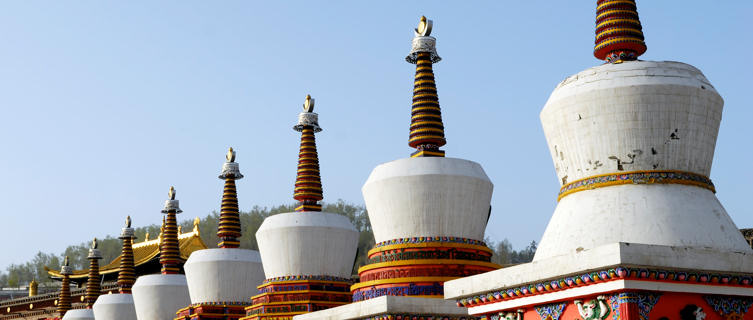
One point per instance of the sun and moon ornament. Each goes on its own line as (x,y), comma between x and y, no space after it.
(424,27)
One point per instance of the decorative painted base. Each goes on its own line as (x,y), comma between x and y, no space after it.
(419,266)
(616,281)
(634,305)
(209,311)
(283,298)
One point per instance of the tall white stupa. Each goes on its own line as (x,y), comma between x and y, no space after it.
(307,254)
(221,281)
(638,231)
(120,306)
(159,296)
(428,213)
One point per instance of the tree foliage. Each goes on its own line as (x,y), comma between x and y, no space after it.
(17,275)
(505,255)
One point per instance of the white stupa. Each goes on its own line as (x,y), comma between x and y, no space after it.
(223,280)
(428,214)
(637,220)
(120,306)
(307,254)
(159,296)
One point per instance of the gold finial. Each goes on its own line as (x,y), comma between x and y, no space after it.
(196,225)
(180,229)
(65,261)
(230,156)
(33,286)
(146,236)
(128,221)
(424,27)
(171,193)
(94,243)
(308,106)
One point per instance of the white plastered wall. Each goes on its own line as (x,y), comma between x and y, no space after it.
(307,243)
(428,196)
(220,274)
(114,307)
(160,296)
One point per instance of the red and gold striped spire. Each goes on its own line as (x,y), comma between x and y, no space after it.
(619,36)
(426,128)
(229,230)
(169,256)
(93,289)
(64,298)
(127,273)
(308,182)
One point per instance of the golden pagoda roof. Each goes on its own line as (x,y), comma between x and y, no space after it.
(145,251)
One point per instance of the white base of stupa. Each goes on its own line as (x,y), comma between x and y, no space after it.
(661,214)
(428,196)
(79,314)
(223,275)
(388,305)
(630,255)
(307,243)
(159,296)
(114,307)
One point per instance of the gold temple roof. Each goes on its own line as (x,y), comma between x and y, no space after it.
(143,252)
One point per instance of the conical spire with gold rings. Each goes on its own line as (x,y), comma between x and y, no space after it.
(229,230)
(127,273)
(169,254)
(308,182)
(93,289)
(426,128)
(619,35)
(64,298)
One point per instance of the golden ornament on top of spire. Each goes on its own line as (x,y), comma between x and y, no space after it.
(308,106)
(230,156)
(619,35)
(171,193)
(424,27)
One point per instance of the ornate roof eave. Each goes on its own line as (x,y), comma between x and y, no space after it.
(143,252)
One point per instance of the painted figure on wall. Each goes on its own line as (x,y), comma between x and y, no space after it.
(594,309)
(692,312)
(517,315)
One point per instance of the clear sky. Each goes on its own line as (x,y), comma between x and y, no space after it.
(105,105)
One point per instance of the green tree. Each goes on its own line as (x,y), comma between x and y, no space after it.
(20,274)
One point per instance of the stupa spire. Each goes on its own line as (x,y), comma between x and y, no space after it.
(93,289)
(426,128)
(64,298)
(308,182)
(127,274)
(169,254)
(229,230)
(619,36)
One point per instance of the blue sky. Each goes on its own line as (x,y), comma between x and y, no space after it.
(104,105)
